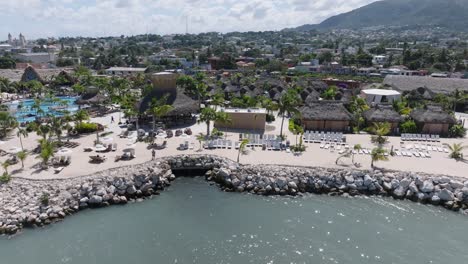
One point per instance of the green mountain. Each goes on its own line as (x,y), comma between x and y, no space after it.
(446,13)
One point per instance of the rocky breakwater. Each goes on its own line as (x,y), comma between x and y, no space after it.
(450,192)
(29,203)
(25,202)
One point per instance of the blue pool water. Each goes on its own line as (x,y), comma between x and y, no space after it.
(24,112)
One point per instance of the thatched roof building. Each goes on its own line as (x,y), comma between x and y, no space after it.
(183,104)
(436,85)
(30,74)
(325,116)
(92,98)
(432,114)
(433,120)
(382,113)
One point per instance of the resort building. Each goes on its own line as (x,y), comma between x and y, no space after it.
(185,108)
(248,119)
(436,85)
(433,120)
(378,96)
(326,116)
(384,114)
(124,71)
(41,57)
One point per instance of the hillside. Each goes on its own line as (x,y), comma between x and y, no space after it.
(447,13)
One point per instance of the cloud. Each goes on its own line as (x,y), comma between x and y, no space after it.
(42,18)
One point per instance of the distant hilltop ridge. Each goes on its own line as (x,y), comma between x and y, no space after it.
(452,14)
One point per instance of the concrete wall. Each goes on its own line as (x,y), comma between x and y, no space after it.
(167,81)
(251,121)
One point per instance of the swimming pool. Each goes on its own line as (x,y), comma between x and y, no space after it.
(24,110)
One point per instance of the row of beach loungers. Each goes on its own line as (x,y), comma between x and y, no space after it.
(428,147)
(320,136)
(420,137)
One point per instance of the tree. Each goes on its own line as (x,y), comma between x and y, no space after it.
(457,131)
(242,148)
(22,132)
(346,154)
(159,108)
(7,63)
(200,138)
(209,114)
(330,93)
(380,130)
(456,150)
(356,148)
(22,155)
(287,106)
(57,125)
(378,154)
(80,116)
(47,151)
(5,166)
(7,122)
(408,126)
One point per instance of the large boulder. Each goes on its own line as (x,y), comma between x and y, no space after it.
(95,200)
(446,195)
(427,186)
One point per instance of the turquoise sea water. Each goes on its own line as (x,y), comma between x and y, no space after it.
(24,112)
(193,222)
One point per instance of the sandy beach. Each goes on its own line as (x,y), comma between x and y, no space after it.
(439,163)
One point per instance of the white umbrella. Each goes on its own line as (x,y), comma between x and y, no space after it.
(99,148)
(162,136)
(64,152)
(14,150)
(107,140)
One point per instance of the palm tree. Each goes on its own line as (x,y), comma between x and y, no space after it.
(346,154)
(22,155)
(47,151)
(269,105)
(159,108)
(80,116)
(330,93)
(22,132)
(456,150)
(200,138)
(217,99)
(356,147)
(242,150)
(287,106)
(5,166)
(208,115)
(378,154)
(7,122)
(57,125)
(380,130)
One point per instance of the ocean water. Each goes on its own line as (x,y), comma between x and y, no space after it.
(193,222)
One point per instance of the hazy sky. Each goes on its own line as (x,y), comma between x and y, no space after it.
(42,18)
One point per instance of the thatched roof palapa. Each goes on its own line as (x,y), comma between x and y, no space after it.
(325,110)
(432,114)
(183,104)
(93,98)
(30,74)
(382,113)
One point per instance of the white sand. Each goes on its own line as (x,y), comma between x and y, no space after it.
(314,156)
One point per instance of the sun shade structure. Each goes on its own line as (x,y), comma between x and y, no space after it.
(433,120)
(325,116)
(383,114)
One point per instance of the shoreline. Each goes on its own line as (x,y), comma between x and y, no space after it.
(38,202)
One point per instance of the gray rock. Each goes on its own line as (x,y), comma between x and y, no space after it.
(435,199)
(413,188)
(367,180)
(400,192)
(349,179)
(281,182)
(131,190)
(292,184)
(95,200)
(446,195)
(456,184)
(427,186)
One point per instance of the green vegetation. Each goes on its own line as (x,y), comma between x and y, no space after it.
(380,130)
(378,154)
(456,150)
(409,126)
(242,148)
(84,128)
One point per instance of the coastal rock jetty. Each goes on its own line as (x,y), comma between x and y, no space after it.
(31,203)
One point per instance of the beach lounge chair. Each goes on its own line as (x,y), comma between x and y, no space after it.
(327,146)
(416,154)
(97,159)
(398,153)
(58,169)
